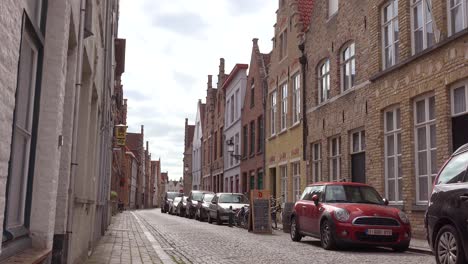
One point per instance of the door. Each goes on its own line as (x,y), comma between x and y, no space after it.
(459,134)
(311,211)
(358,167)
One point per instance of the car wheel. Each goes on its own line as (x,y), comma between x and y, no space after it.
(448,246)
(218,219)
(210,220)
(295,234)
(326,236)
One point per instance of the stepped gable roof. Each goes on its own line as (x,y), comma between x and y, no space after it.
(305,10)
(233,73)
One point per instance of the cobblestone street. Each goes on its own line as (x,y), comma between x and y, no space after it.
(181,240)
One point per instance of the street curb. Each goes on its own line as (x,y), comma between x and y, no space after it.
(420,250)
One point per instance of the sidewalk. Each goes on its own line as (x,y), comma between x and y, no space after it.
(124,242)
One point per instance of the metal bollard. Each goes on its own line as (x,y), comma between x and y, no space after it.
(231,216)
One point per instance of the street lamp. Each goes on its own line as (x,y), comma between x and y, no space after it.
(230,149)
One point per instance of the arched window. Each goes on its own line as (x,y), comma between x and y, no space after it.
(324,81)
(348,67)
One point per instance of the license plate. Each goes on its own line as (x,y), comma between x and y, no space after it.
(379,232)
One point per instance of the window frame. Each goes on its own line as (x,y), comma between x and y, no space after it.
(394,44)
(296,173)
(252,138)
(336,157)
(427,123)
(252,95)
(462,84)
(344,62)
(260,134)
(296,103)
(321,76)
(424,27)
(361,137)
(464,11)
(284,182)
(396,133)
(316,162)
(273,112)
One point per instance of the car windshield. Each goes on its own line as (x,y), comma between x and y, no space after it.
(352,194)
(197,196)
(171,195)
(208,197)
(233,198)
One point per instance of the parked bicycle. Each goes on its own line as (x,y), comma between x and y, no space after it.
(242,217)
(276,211)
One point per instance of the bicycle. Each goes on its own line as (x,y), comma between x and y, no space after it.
(275,208)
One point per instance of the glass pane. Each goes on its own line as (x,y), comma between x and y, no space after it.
(390,145)
(417,16)
(457,19)
(399,143)
(400,190)
(389,121)
(387,36)
(422,163)
(391,190)
(432,108)
(418,40)
(429,34)
(422,144)
(434,167)
(395,8)
(398,122)
(396,31)
(459,100)
(387,13)
(363,140)
(397,53)
(335,169)
(355,142)
(400,170)
(391,168)
(420,111)
(433,136)
(423,189)
(388,57)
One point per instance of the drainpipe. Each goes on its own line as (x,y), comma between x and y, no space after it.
(303,61)
(74,151)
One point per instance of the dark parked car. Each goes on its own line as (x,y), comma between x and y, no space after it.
(192,202)
(202,207)
(446,218)
(340,213)
(181,207)
(221,205)
(174,204)
(167,199)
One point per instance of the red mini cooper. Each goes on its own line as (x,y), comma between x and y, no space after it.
(342,213)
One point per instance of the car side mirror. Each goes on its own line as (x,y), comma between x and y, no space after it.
(315,199)
(385,201)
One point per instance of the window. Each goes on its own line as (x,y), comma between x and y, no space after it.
(392,146)
(455,170)
(221,142)
(284,105)
(260,134)
(252,137)
(252,180)
(460,99)
(22,155)
(316,163)
(426,146)
(237,104)
(232,110)
(422,27)
(245,144)
(284,183)
(390,34)
(324,81)
(335,153)
(260,180)
(296,82)
(358,142)
(283,38)
(273,113)
(252,94)
(231,158)
(215,144)
(332,7)
(296,170)
(348,67)
(458,15)
(236,145)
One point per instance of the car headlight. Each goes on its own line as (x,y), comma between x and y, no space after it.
(403,217)
(341,215)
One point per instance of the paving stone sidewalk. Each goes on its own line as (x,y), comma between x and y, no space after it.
(124,242)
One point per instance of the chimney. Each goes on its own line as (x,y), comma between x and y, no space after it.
(221,73)
(147,146)
(210,82)
(255,41)
(142,129)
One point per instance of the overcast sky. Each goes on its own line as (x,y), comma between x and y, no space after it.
(172,45)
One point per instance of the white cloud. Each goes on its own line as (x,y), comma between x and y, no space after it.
(172,45)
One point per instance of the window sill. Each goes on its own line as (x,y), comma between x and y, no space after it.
(272,137)
(419,208)
(419,55)
(282,132)
(295,125)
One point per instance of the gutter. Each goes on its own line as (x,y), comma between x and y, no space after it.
(303,61)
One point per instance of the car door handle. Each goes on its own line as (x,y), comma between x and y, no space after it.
(463,198)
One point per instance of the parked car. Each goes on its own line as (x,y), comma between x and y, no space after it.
(174,204)
(340,213)
(221,205)
(181,207)
(168,198)
(202,206)
(192,202)
(446,218)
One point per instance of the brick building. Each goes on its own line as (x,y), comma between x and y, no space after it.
(187,161)
(253,138)
(388,96)
(213,139)
(155,175)
(135,145)
(284,149)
